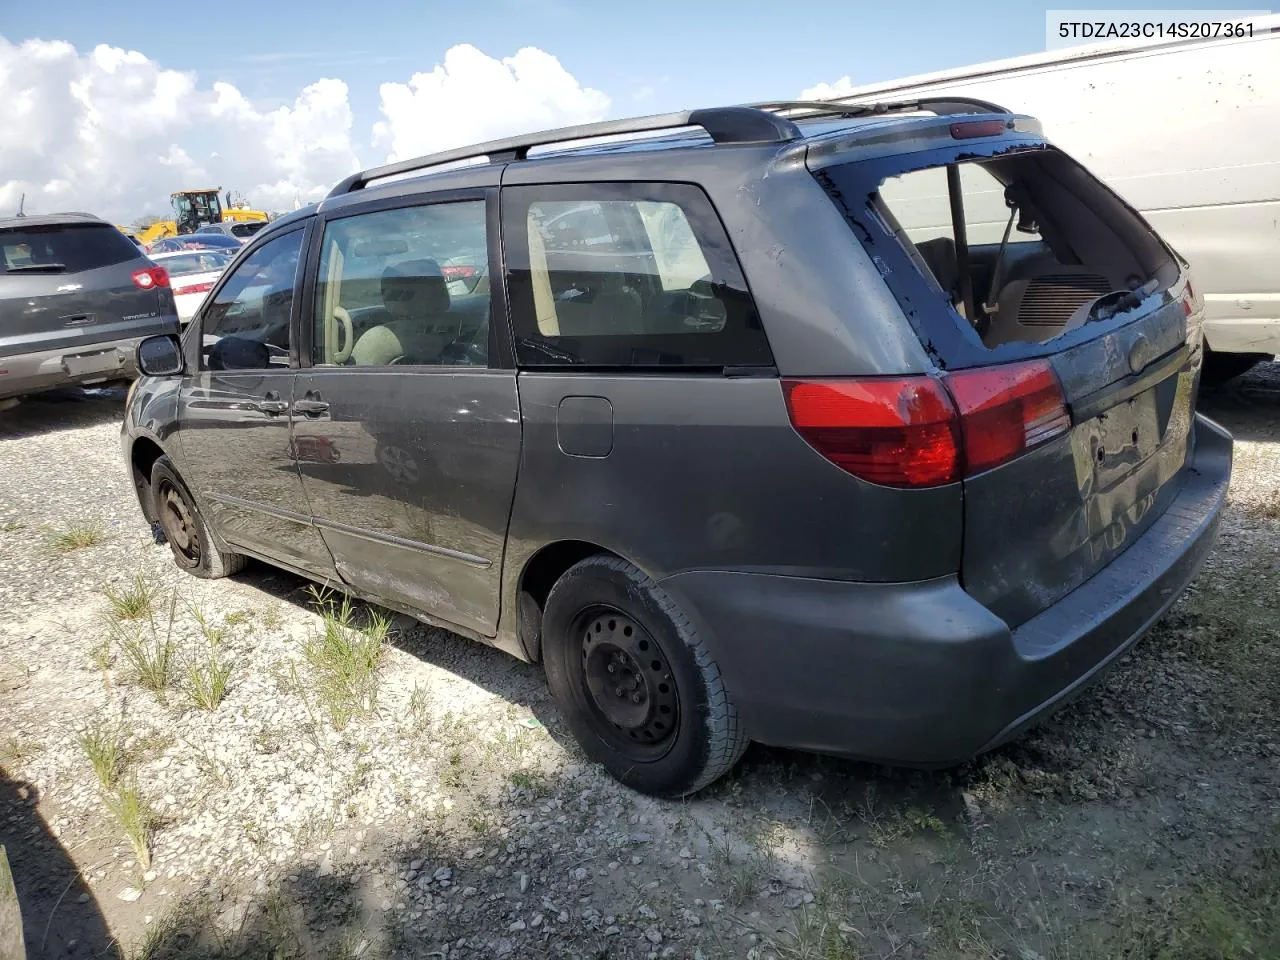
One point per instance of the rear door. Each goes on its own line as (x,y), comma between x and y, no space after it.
(1070,290)
(407,424)
(65,286)
(1042,524)
(235,409)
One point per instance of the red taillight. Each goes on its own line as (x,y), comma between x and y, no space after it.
(978,128)
(151,277)
(923,432)
(1007,409)
(894,432)
(193,288)
(1188,300)
(458,272)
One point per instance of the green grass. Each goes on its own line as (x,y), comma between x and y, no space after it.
(78,535)
(208,680)
(151,651)
(209,676)
(15,750)
(101,656)
(815,934)
(344,656)
(102,744)
(135,817)
(528,780)
(134,600)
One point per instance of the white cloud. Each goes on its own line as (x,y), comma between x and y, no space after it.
(826,91)
(472,97)
(114,132)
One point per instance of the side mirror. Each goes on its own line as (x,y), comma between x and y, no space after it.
(159,356)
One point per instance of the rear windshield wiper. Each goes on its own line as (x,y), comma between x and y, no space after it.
(1107,307)
(37,268)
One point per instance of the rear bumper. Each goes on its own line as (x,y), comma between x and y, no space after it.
(921,673)
(1226,331)
(86,363)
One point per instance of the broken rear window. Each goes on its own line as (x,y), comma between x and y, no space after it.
(1023,246)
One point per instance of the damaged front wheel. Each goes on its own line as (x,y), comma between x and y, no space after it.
(185,528)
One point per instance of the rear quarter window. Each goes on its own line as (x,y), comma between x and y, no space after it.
(75,247)
(626,276)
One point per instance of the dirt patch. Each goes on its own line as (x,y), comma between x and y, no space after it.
(299,809)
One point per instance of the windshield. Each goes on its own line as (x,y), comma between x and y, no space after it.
(193,209)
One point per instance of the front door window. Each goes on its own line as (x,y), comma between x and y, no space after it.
(246,325)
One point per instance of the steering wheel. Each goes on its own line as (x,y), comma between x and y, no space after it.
(348,338)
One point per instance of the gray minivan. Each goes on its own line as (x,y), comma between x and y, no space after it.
(713,438)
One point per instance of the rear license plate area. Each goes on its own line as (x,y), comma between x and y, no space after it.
(87,364)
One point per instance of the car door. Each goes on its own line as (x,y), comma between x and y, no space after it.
(235,408)
(406,429)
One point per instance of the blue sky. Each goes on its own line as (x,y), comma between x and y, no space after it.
(687,54)
(279,99)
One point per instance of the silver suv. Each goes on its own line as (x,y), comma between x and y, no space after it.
(76,296)
(863,430)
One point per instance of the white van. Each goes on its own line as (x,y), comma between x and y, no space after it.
(1187,131)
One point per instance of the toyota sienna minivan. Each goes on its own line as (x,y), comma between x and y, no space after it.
(714,438)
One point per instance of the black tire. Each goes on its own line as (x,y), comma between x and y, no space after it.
(1221,367)
(185,527)
(605,622)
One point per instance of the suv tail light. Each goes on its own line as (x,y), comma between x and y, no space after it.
(924,431)
(150,278)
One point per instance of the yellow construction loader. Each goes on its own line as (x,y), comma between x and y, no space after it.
(192,209)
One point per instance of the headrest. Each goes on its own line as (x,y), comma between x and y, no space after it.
(416,285)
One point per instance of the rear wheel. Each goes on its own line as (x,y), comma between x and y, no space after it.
(185,528)
(635,683)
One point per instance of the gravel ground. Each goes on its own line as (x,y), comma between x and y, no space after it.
(451,816)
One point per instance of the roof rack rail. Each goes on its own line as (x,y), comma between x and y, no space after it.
(723,125)
(850,107)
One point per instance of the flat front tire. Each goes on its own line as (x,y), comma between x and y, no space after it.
(636,684)
(185,527)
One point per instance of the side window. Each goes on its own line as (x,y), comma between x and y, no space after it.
(404,287)
(626,275)
(246,326)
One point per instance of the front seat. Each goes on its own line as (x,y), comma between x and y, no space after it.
(415,297)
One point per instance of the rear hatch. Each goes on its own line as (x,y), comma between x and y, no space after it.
(72,284)
(1069,338)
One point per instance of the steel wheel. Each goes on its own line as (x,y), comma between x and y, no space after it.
(178,522)
(629,683)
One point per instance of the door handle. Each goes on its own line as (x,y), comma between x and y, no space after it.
(310,408)
(270,404)
(269,407)
(311,405)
